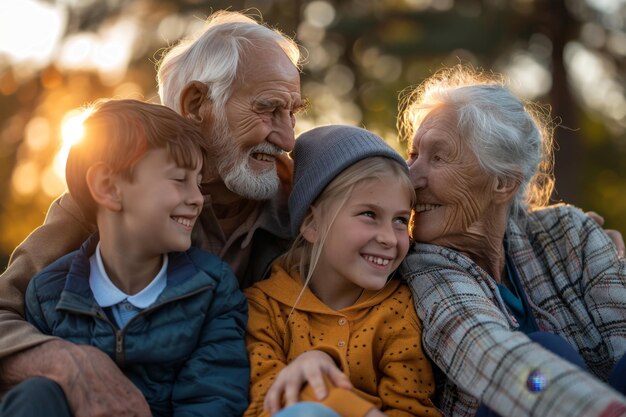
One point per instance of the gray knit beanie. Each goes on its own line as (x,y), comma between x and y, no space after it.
(321,154)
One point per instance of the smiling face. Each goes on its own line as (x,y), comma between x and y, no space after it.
(160,204)
(257,123)
(453,192)
(367,240)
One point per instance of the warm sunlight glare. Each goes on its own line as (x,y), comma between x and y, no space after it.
(72,126)
(71,133)
(107,51)
(30,30)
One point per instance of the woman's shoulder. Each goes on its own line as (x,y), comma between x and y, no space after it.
(558,213)
(554,223)
(424,257)
(435,272)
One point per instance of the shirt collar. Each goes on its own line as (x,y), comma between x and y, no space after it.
(107,294)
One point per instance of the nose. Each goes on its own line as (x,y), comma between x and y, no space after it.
(283,123)
(386,236)
(194,196)
(417,174)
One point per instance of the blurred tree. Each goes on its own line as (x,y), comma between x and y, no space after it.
(360,54)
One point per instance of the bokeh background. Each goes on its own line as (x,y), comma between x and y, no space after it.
(56,56)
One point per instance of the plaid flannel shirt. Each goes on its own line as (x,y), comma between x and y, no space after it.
(576,287)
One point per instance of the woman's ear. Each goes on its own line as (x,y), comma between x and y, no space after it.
(194,101)
(505,188)
(103,186)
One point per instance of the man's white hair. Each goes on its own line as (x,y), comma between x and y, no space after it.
(212,56)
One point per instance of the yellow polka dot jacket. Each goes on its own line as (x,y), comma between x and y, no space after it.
(375,342)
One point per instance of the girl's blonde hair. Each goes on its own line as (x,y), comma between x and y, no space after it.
(303,256)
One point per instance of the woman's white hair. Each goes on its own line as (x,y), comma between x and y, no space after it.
(511,139)
(213,55)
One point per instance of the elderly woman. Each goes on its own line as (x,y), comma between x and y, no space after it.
(499,280)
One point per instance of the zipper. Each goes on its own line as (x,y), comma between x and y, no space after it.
(119,348)
(119,333)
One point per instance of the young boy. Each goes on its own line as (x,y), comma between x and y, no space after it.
(171,316)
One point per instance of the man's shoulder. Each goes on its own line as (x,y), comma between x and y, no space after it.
(51,280)
(75,263)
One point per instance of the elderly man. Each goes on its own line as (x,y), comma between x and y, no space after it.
(239,81)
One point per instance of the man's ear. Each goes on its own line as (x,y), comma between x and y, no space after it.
(505,188)
(194,101)
(309,228)
(103,185)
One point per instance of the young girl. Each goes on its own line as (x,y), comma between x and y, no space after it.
(350,207)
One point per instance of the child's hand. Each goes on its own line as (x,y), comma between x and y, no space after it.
(309,367)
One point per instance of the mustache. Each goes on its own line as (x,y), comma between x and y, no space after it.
(266,148)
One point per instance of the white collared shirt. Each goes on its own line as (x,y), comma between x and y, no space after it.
(123,306)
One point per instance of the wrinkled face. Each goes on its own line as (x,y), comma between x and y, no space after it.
(452,190)
(257,123)
(368,238)
(160,204)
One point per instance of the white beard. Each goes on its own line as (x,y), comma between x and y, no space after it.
(234,168)
(241,179)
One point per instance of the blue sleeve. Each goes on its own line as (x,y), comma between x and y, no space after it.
(215,380)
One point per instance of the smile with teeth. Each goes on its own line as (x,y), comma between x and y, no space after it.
(377,260)
(184,221)
(263,157)
(420,208)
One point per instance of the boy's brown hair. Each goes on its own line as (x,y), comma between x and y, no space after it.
(119,133)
